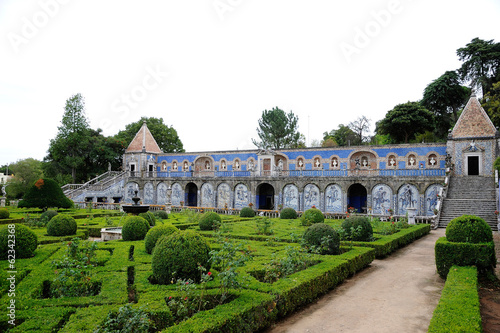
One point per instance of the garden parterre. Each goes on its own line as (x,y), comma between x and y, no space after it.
(251,306)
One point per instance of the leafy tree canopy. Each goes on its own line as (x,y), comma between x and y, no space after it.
(481,63)
(491,104)
(342,136)
(404,121)
(360,127)
(25,172)
(278,130)
(166,136)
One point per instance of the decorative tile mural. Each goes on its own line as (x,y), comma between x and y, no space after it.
(333,199)
(223,196)
(311,196)
(161,194)
(408,197)
(149,194)
(177,194)
(207,195)
(291,197)
(431,199)
(381,199)
(241,196)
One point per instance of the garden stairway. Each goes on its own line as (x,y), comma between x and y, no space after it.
(470,195)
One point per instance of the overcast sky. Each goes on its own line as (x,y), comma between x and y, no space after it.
(209,68)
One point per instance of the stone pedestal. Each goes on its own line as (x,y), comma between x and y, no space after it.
(412,212)
(2,202)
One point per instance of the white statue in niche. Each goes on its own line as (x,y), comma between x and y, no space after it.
(280,165)
(186,166)
(412,160)
(174,166)
(317,163)
(392,161)
(223,165)
(432,160)
(365,162)
(207,165)
(237,164)
(334,163)
(301,163)
(250,165)
(164,166)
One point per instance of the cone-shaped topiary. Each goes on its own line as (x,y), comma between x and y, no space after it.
(247,212)
(178,256)
(4,213)
(311,216)
(322,238)
(155,233)
(61,225)
(43,194)
(468,229)
(134,228)
(357,228)
(288,213)
(26,241)
(208,220)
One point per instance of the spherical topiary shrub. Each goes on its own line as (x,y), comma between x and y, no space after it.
(357,228)
(288,213)
(161,214)
(4,213)
(247,212)
(468,229)
(61,225)
(323,238)
(178,256)
(311,216)
(48,215)
(150,217)
(208,220)
(155,233)
(26,241)
(134,228)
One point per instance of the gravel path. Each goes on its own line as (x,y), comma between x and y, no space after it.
(396,294)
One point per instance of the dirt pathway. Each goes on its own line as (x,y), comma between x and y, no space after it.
(396,294)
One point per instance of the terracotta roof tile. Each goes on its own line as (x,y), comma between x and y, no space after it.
(143,139)
(473,122)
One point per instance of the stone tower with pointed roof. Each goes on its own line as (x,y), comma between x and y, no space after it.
(141,154)
(473,141)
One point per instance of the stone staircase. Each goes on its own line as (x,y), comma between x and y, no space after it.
(470,195)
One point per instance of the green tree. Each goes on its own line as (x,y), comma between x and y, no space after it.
(404,121)
(71,144)
(45,193)
(25,172)
(166,136)
(481,64)
(444,97)
(278,130)
(491,104)
(342,136)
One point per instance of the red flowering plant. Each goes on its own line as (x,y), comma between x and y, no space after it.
(190,299)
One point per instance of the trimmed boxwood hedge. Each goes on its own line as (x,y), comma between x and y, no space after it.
(4,213)
(469,229)
(311,216)
(208,220)
(314,237)
(134,228)
(247,212)
(360,223)
(463,254)
(25,242)
(155,233)
(61,225)
(178,255)
(288,213)
(458,309)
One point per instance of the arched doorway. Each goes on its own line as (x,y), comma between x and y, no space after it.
(265,197)
(191,196)
(356,197)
